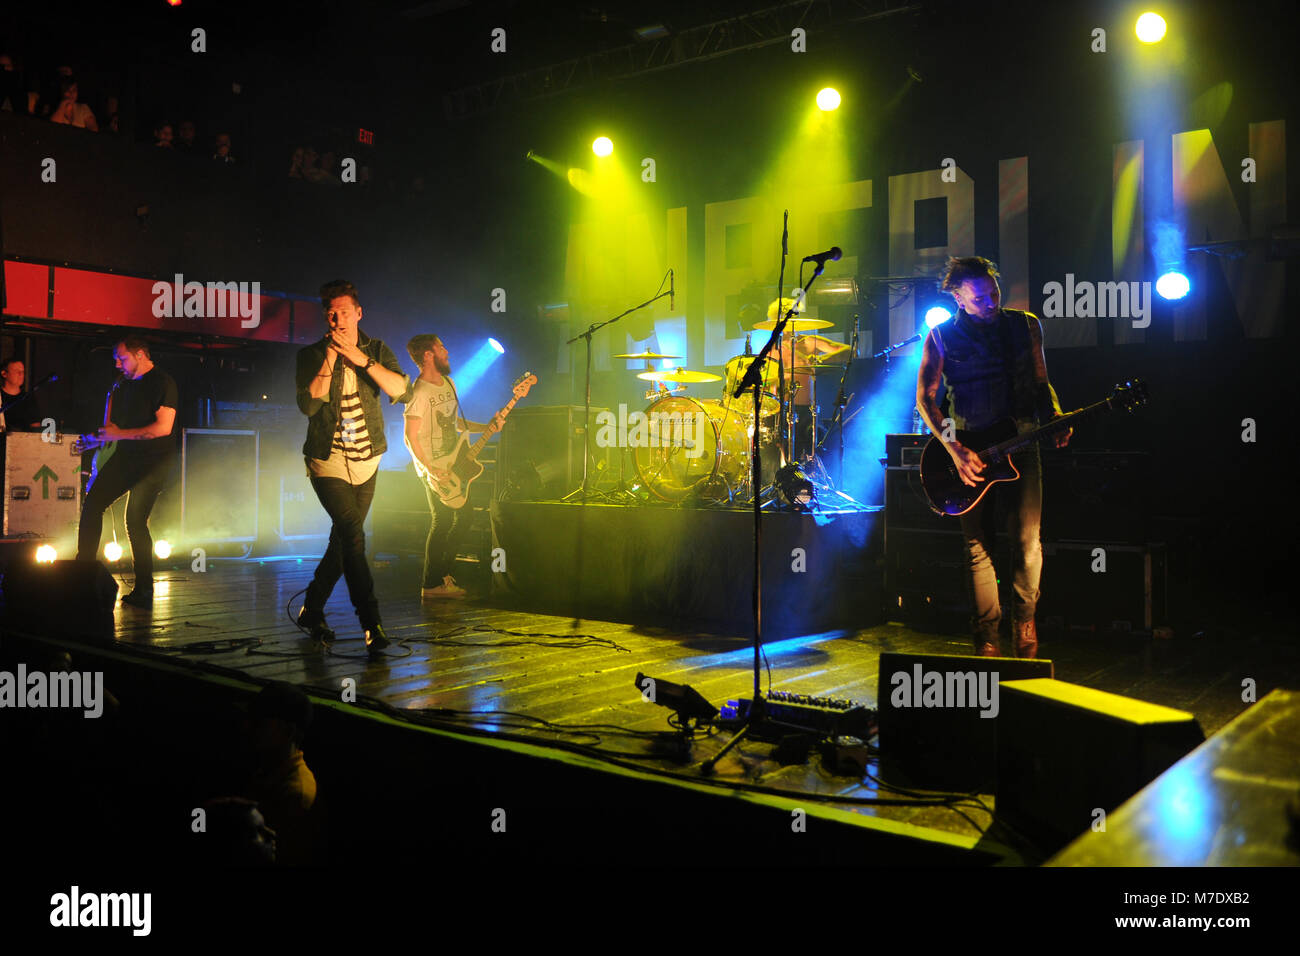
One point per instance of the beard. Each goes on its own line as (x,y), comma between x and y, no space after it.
(442,365)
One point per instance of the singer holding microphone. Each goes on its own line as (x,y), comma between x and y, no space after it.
(140,429)
(340,380)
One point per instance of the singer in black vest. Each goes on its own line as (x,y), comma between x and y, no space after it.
(142,421)
(991,362)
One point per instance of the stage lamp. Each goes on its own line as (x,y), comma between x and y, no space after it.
(162,547)
(112,552)
(1173,285)
(46,554)
(828,99)
(603,146)
(936,315)
(501,349)
(685,701)
(1150,28)
(795,489)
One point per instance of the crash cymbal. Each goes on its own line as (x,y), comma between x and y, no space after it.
(682,375)
(795,325)
(779,307)
(648,356)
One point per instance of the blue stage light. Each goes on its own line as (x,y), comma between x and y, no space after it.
(501,349)
(1173,285)
(937,315)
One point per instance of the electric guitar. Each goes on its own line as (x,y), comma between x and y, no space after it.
(949,495)
(103,448)
(455,471)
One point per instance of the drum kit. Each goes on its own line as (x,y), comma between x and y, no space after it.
(700,448)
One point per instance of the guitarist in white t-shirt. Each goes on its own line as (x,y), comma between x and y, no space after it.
(433,426)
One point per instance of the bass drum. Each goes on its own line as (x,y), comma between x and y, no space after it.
(692,448)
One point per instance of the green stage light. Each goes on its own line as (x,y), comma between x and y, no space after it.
(603,146)
(1150,28)
(828,99)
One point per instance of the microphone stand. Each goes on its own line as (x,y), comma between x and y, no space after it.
(22,395)
(586,421)
(754,379)
(841,401)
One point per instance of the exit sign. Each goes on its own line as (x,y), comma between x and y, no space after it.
(365,136)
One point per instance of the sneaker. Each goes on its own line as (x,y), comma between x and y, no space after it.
(376,640)
(315,623)
(448,589)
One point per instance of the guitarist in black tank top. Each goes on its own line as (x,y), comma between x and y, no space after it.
(991,362)
(433,421)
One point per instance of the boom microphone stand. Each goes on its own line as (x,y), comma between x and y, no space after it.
(754,379)
(586,420)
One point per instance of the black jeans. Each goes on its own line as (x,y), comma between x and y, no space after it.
(1023,499)
(347,506)
(447,527)
(144,479)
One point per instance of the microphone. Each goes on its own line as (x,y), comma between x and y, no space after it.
(855,336)
(672,291)
(785,234)
(833,254)
(45,381)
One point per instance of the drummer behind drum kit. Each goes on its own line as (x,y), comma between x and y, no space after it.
(676,464)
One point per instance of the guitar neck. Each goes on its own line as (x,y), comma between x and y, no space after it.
(478,445)
(1002,449)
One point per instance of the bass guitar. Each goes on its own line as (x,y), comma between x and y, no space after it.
(949,495)
(455,471)
(102,448)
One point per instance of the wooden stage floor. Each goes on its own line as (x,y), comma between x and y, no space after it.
(471,657)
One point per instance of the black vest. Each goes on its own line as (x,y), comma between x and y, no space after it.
(988,370)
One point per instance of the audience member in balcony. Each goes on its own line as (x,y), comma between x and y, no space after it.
(162,135)
(310,172)
(185,134)
(223,154)
(69,111)
(110,110)
(13,97)
(329,167)
(296,162)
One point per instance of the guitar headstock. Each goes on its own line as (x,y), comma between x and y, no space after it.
(1128,396)
(524,383)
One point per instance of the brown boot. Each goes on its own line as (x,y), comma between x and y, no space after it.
(1026,638)
(988,649)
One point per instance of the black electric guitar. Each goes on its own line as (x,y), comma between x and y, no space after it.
(949,495)
(455,471)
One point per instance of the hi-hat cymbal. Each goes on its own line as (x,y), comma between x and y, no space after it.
(648,356)
(681,375)
(795,325)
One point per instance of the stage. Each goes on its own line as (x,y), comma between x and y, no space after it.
(481,712)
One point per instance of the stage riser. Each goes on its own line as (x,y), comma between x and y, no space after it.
(690,568)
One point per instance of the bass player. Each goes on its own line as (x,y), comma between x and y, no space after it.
(433,427)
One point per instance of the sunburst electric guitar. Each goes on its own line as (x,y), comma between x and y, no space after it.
(455,471)
(949,495)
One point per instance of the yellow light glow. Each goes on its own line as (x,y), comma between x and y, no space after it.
(828,99)
(1150,27)
(162,548)
(603,146)
(46,554)
(112,552)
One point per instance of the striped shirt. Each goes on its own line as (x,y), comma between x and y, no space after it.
(352,456)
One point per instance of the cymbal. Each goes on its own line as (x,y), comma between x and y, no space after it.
(643,355)
(795,325)
(682,375)
(779,307)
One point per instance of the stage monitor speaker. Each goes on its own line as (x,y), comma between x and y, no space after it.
(932,730)
(1066,752)
(72,599)
(540,458)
